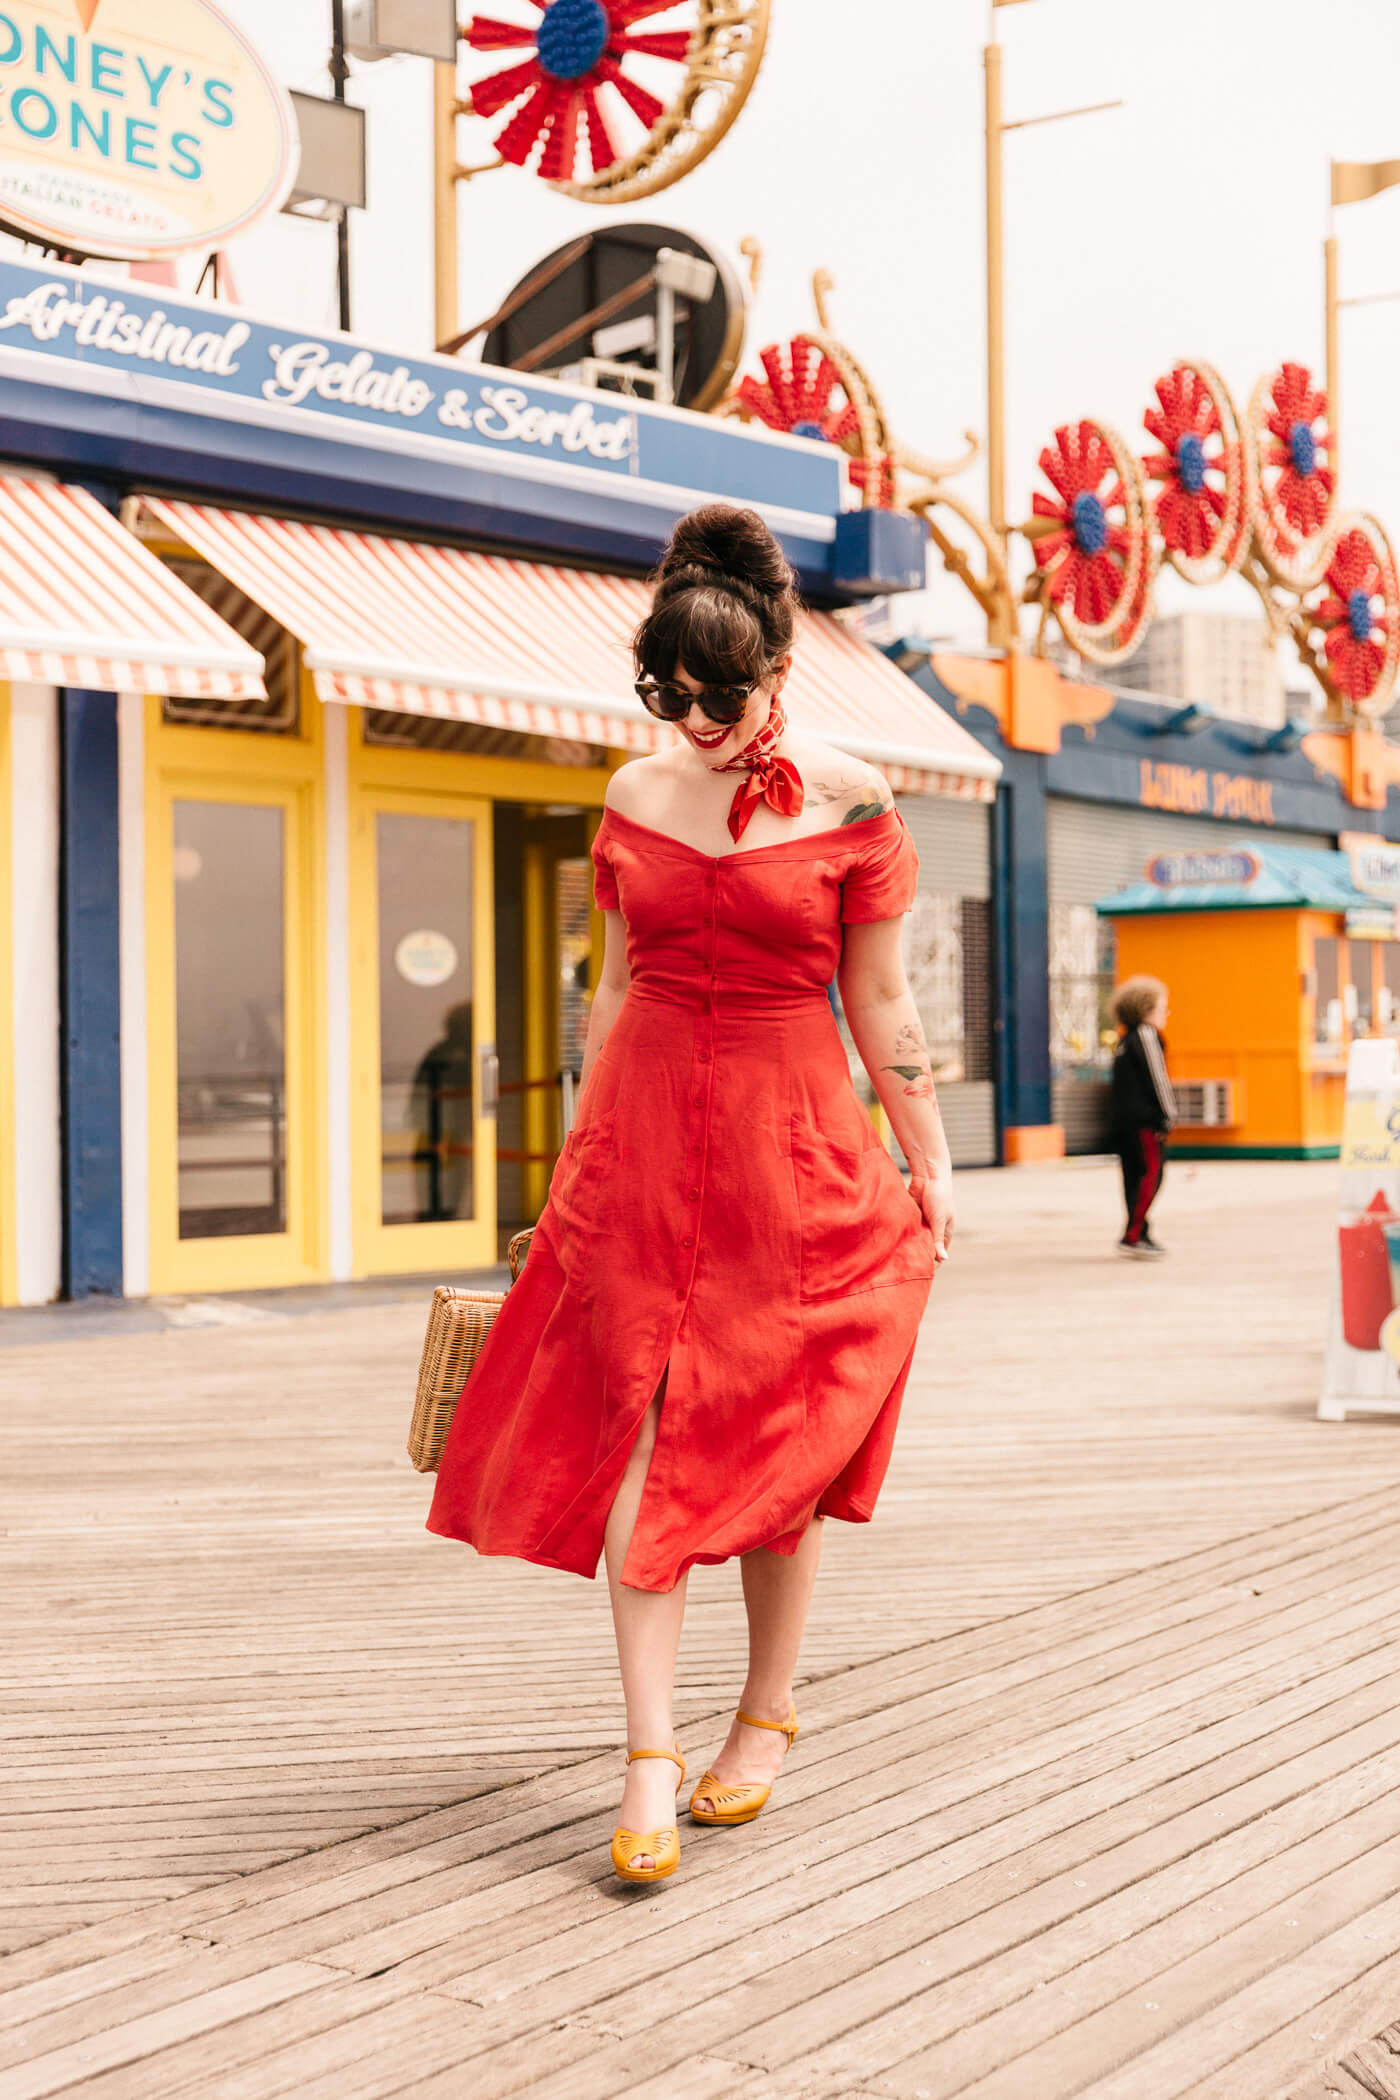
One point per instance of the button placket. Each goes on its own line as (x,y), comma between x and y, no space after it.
(697,1135)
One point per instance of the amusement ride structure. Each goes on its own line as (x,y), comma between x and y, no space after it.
(610,101)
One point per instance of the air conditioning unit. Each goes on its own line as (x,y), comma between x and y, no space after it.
(1205,1104)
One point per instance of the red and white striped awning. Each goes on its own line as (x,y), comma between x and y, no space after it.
(528,646)
(83,603)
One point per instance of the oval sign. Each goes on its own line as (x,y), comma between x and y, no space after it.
(425,958)
(1180,870)
(137,132)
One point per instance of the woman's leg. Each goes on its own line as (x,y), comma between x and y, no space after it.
(647,1624)
(777,1593)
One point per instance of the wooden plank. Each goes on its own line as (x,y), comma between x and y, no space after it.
(131,2040)
(1137,1695)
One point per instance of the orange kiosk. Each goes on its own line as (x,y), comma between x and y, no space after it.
(1277,959)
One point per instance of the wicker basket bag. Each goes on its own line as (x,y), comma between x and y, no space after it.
(458,1325)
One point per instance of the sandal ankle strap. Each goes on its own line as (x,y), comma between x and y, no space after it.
(788,1727)
(674,1755)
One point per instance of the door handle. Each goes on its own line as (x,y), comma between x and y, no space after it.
(489,1068)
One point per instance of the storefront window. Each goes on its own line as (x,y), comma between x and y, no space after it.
(573,898)
(1388,996)
(230,1019)
(426,1032)
(1081,987)
(1327,997)
(1361,997)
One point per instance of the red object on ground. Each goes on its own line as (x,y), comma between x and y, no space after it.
(1365,1266)
(723,1212)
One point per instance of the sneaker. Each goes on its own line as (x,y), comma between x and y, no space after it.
(1141,1250)
(1150,1247)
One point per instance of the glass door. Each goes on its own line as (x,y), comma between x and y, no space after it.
(425,1047)
(233,1036)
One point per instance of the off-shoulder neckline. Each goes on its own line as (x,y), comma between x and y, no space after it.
(806,840)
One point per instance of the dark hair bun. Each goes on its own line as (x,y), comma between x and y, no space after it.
(734,546)
(724,601)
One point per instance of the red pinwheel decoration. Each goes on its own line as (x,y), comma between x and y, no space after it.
(581,72)
(1297,482)
(1093,547)
(812,390)
(1204,474)
(613,100)
(1358,617)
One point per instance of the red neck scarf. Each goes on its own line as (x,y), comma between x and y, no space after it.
(771,779)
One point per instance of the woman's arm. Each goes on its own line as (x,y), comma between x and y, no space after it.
(880,1010)
(612,990)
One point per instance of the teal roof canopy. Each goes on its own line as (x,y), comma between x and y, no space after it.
(1242,878)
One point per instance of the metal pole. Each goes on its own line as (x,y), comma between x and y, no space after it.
(340,73)
(1329,298)
(998,625)
(445,298)
(665,343)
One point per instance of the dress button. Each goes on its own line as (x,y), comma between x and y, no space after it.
(694,1195)
(689,1240)
(710,880)
(703,1057)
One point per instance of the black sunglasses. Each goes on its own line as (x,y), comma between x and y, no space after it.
(670,702)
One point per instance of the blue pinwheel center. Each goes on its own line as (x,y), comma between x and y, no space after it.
(1359,618)
(572,38)
(808,429)
(1191,463)
(1302,446)
(1089,523)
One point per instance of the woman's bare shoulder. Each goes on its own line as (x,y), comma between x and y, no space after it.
(844,790)
(634,787)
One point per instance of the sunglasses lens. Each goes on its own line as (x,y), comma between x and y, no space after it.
(667,702)
(724,703)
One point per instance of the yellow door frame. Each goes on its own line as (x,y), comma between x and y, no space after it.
(185,763)
(9,1263)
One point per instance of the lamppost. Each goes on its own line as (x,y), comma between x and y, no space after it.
(1002,630)
(1352,182)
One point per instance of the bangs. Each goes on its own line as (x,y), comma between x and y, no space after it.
(706,632)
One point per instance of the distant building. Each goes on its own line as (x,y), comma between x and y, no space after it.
(1227,661)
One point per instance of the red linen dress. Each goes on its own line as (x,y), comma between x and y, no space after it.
(723,1207)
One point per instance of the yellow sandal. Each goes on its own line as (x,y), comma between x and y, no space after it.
(738,1804)
(663,1846)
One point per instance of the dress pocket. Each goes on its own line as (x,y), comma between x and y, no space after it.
(575,1173)
(860,1231)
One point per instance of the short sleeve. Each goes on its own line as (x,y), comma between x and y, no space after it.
(883,878)
(604,880)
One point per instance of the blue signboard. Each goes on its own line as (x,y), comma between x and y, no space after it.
(194,355)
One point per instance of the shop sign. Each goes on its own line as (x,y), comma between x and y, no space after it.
(1375,870)
(1373,922)
(1172,871)
(266,371)
(425,959)
(136,132)
(1198,791)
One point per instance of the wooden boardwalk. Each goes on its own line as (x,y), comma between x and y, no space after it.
(1098,1792)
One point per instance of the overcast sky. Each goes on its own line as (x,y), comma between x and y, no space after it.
(1188,223)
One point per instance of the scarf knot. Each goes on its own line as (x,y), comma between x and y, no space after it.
(771,779)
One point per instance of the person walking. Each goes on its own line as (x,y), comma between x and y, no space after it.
(1144,1106)
(706,1352)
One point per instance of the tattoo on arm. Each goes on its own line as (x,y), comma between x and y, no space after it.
(913,1065)
(860,811)
(833,790)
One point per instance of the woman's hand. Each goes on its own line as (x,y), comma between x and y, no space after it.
(935,1201)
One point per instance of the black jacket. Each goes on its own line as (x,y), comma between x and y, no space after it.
(1142,1092)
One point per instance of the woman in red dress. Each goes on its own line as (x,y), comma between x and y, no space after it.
(706,1352)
